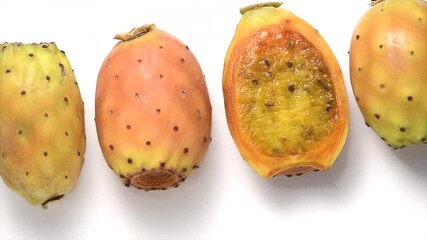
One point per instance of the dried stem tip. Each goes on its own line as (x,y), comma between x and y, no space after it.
(135,32)
(373,2)
(243,10)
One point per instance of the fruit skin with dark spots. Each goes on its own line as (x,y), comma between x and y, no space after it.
(153,112)
(42,131)
(388,57)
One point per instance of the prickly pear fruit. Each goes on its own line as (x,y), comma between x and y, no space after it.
(388,57)
(42,133)
(284,94)
(153,112)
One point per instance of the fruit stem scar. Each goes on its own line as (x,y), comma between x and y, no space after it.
(135,32)
(246,9)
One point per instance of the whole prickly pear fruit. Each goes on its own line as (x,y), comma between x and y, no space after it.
(153,112)
(42,133)
(388,57)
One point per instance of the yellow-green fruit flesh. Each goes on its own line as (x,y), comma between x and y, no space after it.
(285,95)
(388,56)
(42,139)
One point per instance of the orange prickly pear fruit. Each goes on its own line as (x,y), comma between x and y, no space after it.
(153,112)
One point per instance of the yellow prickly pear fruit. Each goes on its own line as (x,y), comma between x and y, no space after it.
(388,57)
(42,133)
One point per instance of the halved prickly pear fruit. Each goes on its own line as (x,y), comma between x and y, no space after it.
(42,131)
(153,112)
(284,94)
(388,59)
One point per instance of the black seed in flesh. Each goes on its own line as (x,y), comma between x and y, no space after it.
(269,104)
(291,88)
(266,62)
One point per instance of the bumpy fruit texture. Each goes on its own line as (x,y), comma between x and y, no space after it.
(388,59)
(284,94)
(153,113)
(42,133)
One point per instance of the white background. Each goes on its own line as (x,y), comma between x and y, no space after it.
(371,192)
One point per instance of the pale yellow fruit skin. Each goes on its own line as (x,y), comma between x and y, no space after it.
(42,132)
(388,59)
